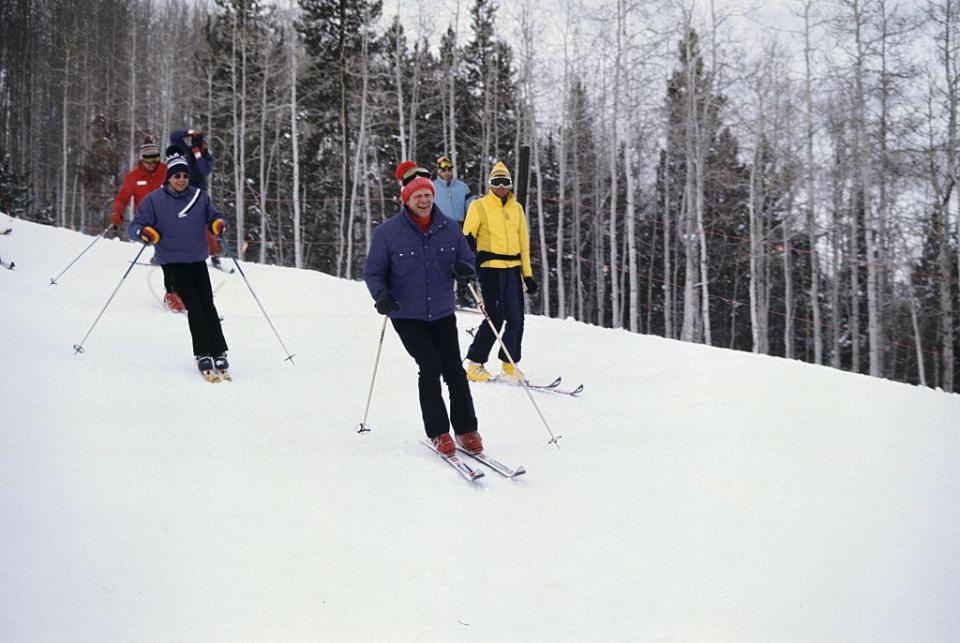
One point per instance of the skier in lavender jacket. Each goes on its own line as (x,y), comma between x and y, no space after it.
(173,219)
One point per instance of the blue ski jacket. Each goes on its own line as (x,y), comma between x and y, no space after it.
(181,219)
(416,267)
(452,198)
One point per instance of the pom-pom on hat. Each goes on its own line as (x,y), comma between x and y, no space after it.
(149,148)
(412,177)
(175,164)
(408,171)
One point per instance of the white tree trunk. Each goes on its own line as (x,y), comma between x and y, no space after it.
(358,156)
(863,160)
(398,84)
(295,150)
(811,189)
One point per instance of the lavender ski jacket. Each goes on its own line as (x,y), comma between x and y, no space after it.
(181,219)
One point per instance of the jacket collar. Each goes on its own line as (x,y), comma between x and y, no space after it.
(494,198)
(438,220)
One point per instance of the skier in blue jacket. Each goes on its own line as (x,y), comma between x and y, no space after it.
(453,198)
(413,260)
(174,219)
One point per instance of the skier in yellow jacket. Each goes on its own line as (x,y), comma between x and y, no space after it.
(497,225)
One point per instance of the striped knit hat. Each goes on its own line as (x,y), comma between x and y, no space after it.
(149,148)
(176,163)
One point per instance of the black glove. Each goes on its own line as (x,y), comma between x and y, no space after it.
(387,303)
(531,284)
(463,272)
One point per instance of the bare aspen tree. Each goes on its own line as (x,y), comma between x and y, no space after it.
(941,195)
(853,22)
(617,319)
(133,98)
(398,85)
(238,84)
(810,181)
(528,36)
(264,185)
(690,199)
(64,144)
(452,72)
(294,53)
(757,286)
(415,98)
(360,149)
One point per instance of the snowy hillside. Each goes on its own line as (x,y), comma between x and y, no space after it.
(699,495)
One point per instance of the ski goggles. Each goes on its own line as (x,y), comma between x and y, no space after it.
(155,158)
(501,182)
(413,173)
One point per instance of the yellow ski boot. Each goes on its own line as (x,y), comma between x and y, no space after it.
(477,373)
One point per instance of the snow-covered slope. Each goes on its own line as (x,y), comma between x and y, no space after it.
(700,494)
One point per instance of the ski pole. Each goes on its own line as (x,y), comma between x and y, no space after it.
(363,428)
(78,348)
(226,246)
(53,280)
(554,439)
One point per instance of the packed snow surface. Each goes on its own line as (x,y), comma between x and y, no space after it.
(699,494)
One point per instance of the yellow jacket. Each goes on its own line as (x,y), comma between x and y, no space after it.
(501,229)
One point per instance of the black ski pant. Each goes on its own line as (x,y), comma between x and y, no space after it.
(435,347)
(193,286)
(502,292)
(168,283)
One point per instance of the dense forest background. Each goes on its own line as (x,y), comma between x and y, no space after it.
(785,191)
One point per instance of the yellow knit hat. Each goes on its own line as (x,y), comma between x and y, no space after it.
(500,171)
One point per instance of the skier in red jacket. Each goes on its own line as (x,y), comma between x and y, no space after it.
(146,177)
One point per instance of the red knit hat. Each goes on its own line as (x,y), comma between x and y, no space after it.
(413,177)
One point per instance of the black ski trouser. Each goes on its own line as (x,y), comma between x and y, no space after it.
(168,282)
(435,347)
(502,292)
(193,286)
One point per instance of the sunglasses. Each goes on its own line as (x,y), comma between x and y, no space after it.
(180,175)
(501,182)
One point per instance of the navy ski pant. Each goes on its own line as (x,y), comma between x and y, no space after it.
(193,286)
(435,347)
(502,292)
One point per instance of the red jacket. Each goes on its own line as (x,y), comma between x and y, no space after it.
(137,184)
